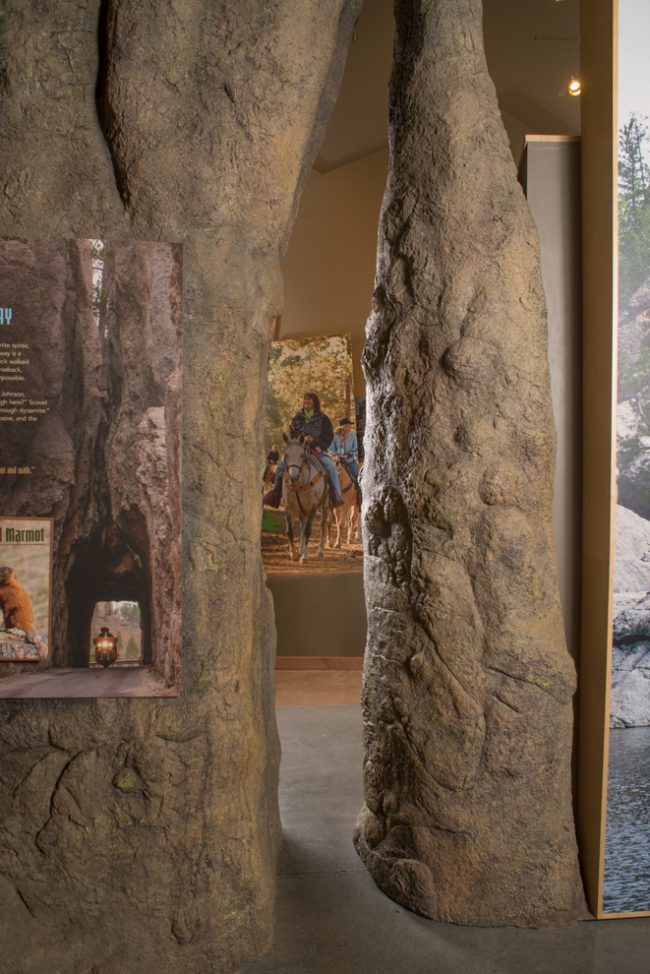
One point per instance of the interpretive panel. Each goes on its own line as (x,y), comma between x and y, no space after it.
(90,412)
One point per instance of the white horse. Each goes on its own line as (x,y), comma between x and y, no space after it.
(305,492)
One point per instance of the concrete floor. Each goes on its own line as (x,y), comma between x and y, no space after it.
(333,920)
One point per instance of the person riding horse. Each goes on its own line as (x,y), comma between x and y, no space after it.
(345,447)
(272,459)
(317,430)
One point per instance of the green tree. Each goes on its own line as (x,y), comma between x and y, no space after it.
(132,651)
(633,207)
(296,365)
(128,611)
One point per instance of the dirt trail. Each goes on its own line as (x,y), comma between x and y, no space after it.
(277,561)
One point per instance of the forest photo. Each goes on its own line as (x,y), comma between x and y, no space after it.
(90,414)
(310,401)
(627,854)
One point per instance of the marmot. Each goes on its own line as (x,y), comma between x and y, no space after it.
(15,603)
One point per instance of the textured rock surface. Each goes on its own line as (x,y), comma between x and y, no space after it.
(143,831)
(104,455)
(630,691)
(633,411)
(468,684)
(632,561)
(630,687)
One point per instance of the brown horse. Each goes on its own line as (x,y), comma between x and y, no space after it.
(305,492)
(349,512)
(268,477)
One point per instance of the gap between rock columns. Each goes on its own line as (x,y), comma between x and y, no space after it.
(143,831)
(468,683)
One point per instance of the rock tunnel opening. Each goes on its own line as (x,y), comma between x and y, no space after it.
(113,572)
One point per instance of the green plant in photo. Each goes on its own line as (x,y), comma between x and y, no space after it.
(633,207)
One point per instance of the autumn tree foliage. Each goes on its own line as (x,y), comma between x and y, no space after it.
(297,365)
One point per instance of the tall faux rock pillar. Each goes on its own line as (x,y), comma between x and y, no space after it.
(143,832)
(468,684)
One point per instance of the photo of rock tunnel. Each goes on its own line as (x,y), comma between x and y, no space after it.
(90,409)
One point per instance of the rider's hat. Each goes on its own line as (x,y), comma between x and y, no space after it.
(345,420)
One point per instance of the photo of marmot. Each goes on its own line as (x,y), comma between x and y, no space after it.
(15,603)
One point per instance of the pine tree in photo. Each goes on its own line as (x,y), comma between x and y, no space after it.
(633,207)
(132,651)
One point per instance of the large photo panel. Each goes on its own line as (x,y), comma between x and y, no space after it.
(626,885)
(90,414)
(314,442)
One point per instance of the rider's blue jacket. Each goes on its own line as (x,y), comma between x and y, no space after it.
(345,446)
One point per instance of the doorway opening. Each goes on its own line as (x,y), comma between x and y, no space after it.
(329,272)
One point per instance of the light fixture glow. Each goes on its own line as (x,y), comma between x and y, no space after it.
(574,87)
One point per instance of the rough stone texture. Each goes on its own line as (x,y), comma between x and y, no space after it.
(144,831)
(468,684)
(15,644)
(632,559)
(630,689)
(633,410)
(105,455)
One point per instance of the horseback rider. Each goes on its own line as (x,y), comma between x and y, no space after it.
(316,427)
(272,458)
(346,448)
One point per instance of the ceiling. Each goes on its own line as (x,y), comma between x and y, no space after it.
(532,49)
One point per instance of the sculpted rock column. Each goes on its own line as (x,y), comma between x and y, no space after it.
(147,829)
(468,684)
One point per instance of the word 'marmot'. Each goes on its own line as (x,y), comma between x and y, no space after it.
(22,536)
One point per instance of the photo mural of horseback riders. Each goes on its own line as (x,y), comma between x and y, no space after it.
(312,495)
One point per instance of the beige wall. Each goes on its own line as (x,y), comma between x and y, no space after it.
(319,615)
(551,171)
(329,269)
